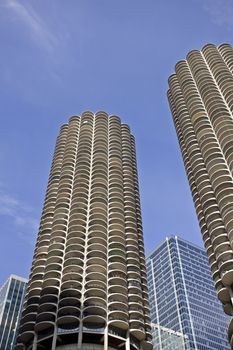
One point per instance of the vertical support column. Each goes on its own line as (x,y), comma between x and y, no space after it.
(54,338)
(106,337)
(80,335)
(127,344)
(34,346)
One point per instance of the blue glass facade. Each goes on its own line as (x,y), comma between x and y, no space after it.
(182,296)
(11,301)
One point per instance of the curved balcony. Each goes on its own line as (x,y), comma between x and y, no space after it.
(76,241)
(54,260)
(78,235)
(134,286)
(97,261)
(219,236)
(75,261)
(53,268)
(45,321)
(94,268)
(118,319)
(73,265)
(32,300)
(117,242)
(226,271)
(79,230)
(70,293)
(72,275)
(98,228)
(53,290)
(99,249)
(222,249)
(99,221)
(120,289)
(57,243)
(118,235)
(117,266)
(39,262)
(136,310)
(93,311)
(70,246)
(96,276)
(68,310)
(117,274)
(48,298)
(95,292)
(147,344)
(68,322)
(57,236)
(47,307)
(92,318)
(78,220)
(76,212)
(117,280)
(118,300)
(51,282)
(95,284)
(137,330)
(135,300)
(29,317)
(228,309)
(132,248)
(33,292)
(26,335)
(52,274)
(97,240)
(71,284)
(95,301)
(98,201)
(55,253)
(29,309)
(36,281)
(133,267)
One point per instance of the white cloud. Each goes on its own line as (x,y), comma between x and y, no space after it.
(38,30)
(25,224)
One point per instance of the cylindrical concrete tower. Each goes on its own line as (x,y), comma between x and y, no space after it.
(201,100)
(88,287)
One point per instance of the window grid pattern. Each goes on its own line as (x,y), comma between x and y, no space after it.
(183,301)
(11,301)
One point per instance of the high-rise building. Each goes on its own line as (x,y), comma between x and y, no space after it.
(167,339)
(201,100)
(185,310)
(88,285)
(11,302)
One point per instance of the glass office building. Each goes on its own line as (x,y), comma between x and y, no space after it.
(170,339)
(11,301)
(183,299)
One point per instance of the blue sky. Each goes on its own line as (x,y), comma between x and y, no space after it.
(59,58)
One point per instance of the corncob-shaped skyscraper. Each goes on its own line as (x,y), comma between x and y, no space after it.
(88,285)
(201,100)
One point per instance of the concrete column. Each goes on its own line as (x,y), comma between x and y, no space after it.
(54,338)
(34,346)
(127,344)
(106,338)
(80,336)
